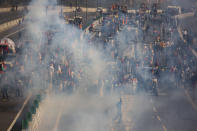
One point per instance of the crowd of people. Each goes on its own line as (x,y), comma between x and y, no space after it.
(145,48)
(160,57)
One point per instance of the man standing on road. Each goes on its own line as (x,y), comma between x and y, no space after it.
(118,117)
(4,89)
(155,86)
(187,37)
(19,85)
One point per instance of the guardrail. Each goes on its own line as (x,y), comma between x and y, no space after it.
(65,9)
(71,9)
(10,24)
(30,117)
(27,113)
(8,9)
(185,15)
(92,22)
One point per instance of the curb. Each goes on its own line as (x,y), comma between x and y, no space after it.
(30,115)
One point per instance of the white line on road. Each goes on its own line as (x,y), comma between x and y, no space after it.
(194,52)
(158,118)
(14,32)
(57,121)
(154,109)
(190,100)
(164,127)
(19,113)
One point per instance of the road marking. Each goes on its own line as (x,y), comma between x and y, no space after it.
(58,117)
(14,32)
(154,109)
(127,128)
(190,100)
(194,105)
(164,127)
(158,118)
(194,52)
(57,121)
(19,113)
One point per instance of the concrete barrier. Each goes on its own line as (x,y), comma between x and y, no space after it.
(69,9)
(36,118)
(2,10)
(8,9)
(94,23)
(10,24)
(64,8)
(185,15)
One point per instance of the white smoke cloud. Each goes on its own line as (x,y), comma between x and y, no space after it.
(87,65)
(84,109)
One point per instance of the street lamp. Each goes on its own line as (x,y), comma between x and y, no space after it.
(86,10)
(76,8)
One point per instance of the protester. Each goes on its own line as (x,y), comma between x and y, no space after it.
(4,88)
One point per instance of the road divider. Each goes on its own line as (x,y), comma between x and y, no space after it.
(32,118)
(19,113)
(10,24)
(7,25)
(92,23)
(8,9)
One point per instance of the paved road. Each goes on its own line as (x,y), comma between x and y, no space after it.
(9,109)
(169,112)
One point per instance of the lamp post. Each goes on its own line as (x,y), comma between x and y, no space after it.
(76,8)
(61,4)
(86,10)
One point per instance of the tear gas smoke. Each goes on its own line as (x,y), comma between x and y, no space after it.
(91,96)
(86,65)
